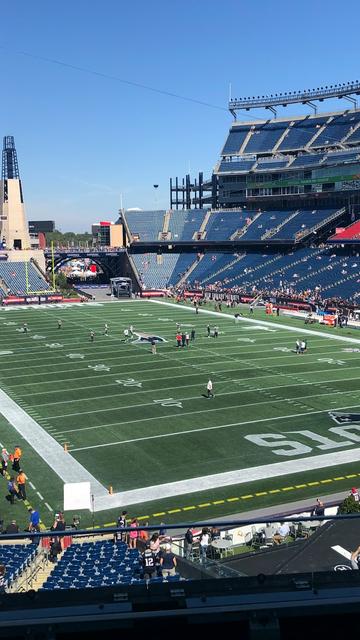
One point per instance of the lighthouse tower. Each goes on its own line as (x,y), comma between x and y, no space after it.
(14,233)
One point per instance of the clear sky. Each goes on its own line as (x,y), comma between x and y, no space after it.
(83,139)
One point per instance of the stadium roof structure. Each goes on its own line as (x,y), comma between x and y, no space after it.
(305,96)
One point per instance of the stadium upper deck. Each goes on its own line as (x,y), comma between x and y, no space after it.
(269,163)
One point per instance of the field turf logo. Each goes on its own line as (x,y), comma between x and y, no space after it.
(344,418)
(147,337)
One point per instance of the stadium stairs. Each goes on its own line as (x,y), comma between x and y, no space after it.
(224,268)
(240,232)
(302,235)
(272,232)
(201,235)
(164,234)
(189,271)
(263,265)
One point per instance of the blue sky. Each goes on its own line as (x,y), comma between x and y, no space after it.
(83,139)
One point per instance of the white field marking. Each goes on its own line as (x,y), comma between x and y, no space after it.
(48,506)
(173,434)
(208,354)
(167,377)
(185,386)
(238,476)
(121,424)
(40,496)
(68,469)
(266,324)
(32,485)
(178,400)
(343,552)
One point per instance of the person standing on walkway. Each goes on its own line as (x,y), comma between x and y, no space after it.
(12,489)
(21,482)
(4,461)
(16,459)
(34,520)
(209,389)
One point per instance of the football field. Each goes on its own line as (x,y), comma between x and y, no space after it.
(142,425)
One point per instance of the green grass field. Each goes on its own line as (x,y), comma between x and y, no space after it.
(140,421)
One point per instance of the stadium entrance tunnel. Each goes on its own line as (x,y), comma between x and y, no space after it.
(112,264)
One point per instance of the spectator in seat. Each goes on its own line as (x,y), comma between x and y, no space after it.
(282,533)
(13,527)
(355,494)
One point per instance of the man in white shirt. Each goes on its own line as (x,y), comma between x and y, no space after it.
(282,533)
(209,387)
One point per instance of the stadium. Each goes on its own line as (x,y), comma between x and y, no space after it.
(214,380)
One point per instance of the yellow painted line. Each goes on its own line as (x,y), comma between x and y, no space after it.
(143,518)
(175,511)
(232,499)
(188,508)
(287,488)
(218,501)
(300,486)
(204,504)
(340,478)
(312,484)
(352,475)
(246,497)
(325,481)
(111,524)
(274,491)
(161,513)
(261,493)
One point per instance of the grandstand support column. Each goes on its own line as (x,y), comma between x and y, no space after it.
(188,191)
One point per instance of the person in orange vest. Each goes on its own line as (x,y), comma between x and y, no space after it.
(16,459)
(21,482)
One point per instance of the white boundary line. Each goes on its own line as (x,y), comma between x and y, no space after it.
(263,322)
(64,465)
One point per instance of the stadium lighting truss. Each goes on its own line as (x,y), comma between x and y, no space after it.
(306,96)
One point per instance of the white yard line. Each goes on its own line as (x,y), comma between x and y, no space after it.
(186,386)
(264,323)
(221,426)
(66,467)
(226,393)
